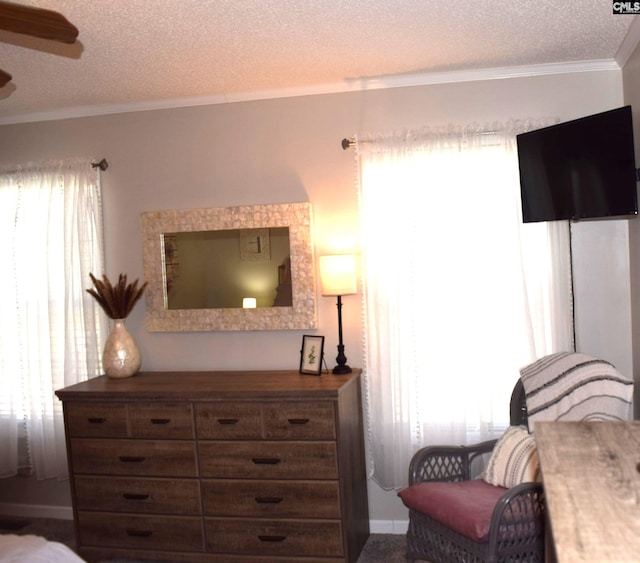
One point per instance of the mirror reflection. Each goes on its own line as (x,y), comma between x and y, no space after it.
(224,269)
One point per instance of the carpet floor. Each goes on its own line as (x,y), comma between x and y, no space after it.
(380,548)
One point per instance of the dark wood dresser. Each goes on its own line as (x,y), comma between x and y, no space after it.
(255,467)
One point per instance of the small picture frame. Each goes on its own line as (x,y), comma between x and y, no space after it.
(311,354)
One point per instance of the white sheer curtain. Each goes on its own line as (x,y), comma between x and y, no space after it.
(51,330)
(458,294)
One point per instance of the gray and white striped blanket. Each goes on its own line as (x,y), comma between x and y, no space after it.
(574,386)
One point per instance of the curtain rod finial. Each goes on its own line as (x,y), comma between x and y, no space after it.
(347,143)
(103,164)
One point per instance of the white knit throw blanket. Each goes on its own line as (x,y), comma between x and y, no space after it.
(573,386)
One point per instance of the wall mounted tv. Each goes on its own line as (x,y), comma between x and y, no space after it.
(580,169)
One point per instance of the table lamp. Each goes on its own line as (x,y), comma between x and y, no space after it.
(338,278)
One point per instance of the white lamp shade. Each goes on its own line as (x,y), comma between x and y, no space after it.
(338,274)
(249,302)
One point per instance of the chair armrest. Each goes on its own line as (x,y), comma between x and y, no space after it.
(518,519)
(446,463)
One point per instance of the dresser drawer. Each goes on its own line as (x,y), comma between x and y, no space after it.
(99,420)
(169,421)
(274,537)
(271,499)
(299,421)
(268,460)
(179,533)
(158,458)
(137,494)
(229,421)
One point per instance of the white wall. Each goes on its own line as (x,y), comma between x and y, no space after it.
(602,290)
(279,151)
(631,76)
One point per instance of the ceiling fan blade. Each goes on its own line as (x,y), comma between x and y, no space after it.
(5,77)
(36,22)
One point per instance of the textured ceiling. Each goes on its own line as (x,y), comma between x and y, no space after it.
(133,54)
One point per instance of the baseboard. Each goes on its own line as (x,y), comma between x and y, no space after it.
(388,526)
(36,511)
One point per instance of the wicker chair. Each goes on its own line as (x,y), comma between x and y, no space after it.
(516,529)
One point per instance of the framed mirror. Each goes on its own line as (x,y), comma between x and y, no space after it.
(232,268)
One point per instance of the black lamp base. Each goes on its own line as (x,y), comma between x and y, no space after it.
(342,366)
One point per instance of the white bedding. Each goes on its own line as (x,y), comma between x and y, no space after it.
(34,549)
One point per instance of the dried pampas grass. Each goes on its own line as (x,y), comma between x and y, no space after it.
(116,301)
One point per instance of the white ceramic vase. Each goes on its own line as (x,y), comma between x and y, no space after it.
(121,356)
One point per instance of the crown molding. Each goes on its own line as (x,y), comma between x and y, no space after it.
(350,85)
(476,75)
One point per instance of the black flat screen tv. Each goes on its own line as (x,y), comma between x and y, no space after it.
(580,169)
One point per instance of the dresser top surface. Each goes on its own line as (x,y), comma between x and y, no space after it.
(210,385)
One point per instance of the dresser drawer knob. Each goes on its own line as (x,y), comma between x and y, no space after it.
(265,460)
(131,458)
(298,421)
(268,500)
(135,496)
(96,420)
(160,420)
(139,533)
(272,538)
(227,421)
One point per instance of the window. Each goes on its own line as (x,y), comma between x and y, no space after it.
(50,328)
(458,293)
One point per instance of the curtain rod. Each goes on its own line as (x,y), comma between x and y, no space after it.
(349,142)
(103,165)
